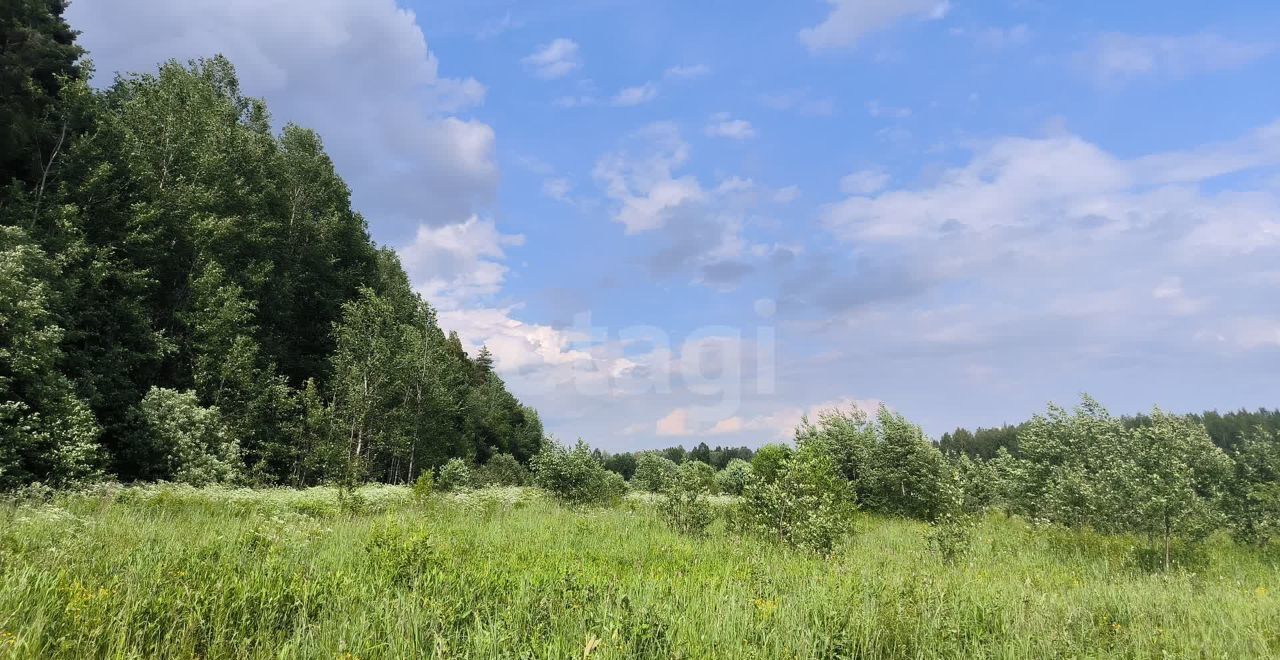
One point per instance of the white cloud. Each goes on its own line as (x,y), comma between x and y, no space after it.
(643,183)
(695,228)
(554,60)
(498,27)
(456,264)
(637,95)
(1170,292)
(686,72)
(851,20)
(781,424)
(674,424)
(864,182)
(1118,58)
(1063,179)
(786,195)
(360,73)
(1053,251)
(722,125)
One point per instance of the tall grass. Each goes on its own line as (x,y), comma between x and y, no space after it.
(214,573)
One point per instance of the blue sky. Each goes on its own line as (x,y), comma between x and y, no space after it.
(684,221)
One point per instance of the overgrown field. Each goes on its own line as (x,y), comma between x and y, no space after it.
(176,572)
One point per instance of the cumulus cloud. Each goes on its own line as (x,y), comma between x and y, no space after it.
(725,126)
(1062,181)
(456,264)
(360,73)
(851,20)
(698,229)
(1055,250)
(556,59)
(640,178)
(1117,58)
(676,423)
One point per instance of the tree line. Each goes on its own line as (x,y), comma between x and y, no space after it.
(187,294)
(1162,476)
(625,463)
(1227,431)
(1166,478)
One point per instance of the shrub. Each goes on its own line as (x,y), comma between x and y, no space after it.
(732,480)
(454,475)
(697,472)
(980,482)
(768,461)
(1182,473)
(422,487)
(575,476)
(1252,502)
(809,505)
(502,470)
(654,472)
(891,465)
(950,536)
(684,505)
(194,441)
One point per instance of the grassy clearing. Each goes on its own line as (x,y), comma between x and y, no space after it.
(214,573)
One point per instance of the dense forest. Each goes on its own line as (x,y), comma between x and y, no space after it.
(1226,430)
(186,293)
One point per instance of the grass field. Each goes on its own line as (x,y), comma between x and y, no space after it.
(174,572)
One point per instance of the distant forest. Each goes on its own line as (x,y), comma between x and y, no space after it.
(186,293)
(1226,430)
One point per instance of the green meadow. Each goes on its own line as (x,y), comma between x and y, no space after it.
(179,572)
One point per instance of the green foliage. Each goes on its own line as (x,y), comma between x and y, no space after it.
(950,537)
(696,472)
(192,248)
(47,433)
(951,530)
(424,485)
(684,505)
(1178,477)
(890,464)
(1071,469)
(39,54)
(735,476)
(1164,477)
(503,470)
(454,475)
(195,444)
(653,472)
(1252,502)
(768,461)
(575,476)
(808,504)
(979,481)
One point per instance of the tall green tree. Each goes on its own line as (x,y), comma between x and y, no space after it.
(1179,476)
(47,433)
(38,56)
